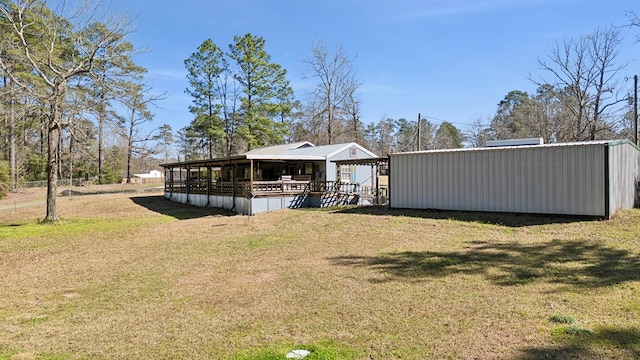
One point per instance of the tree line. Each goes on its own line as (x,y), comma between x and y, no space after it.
(579,97)
(241,100)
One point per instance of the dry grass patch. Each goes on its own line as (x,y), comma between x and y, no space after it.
(141,277)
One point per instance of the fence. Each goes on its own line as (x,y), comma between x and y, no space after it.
(43,183)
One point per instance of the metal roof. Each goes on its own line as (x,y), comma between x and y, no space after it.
(496,148)
(302,152)
(295,151)
(278,149)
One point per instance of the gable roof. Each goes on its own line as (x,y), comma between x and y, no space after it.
(278,149)
(303,152)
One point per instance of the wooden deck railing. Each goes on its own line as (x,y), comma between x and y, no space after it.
(266,187)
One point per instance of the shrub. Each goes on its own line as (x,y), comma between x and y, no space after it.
(111,176)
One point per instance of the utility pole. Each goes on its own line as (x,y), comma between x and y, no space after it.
(419,142)
(635,109)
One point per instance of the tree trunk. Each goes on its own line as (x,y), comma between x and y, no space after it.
(130,148)
(12,141)
(329,118)
(101,119)
(53,134)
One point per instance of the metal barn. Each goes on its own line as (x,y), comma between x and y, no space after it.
(594,178)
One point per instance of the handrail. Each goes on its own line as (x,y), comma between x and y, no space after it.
(264,187)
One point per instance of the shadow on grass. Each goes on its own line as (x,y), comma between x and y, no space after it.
(159,204)
(594,346)
(504,219)
(577,264)
(72,193)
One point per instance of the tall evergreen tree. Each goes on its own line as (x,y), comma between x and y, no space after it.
(263,85)
(165,136)
(205,68)
(448,136)
(113,67)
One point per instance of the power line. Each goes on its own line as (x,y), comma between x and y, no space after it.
(443,120)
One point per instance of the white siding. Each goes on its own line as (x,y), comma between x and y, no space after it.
(543,179)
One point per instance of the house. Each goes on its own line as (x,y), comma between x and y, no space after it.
(153,177)
(276,177)
(595,178)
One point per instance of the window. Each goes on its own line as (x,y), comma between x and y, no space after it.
(347,173)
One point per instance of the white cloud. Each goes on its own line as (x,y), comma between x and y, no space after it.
(168,73)
(430,9)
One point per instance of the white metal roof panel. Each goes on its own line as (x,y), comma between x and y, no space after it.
(568,144)
(278,149)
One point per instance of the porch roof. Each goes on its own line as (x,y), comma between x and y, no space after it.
(240,159)
(304,151)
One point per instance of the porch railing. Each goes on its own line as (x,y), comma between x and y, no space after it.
(266,187)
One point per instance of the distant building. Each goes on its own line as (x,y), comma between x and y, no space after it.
(153,177)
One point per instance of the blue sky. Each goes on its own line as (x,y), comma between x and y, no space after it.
(450,60)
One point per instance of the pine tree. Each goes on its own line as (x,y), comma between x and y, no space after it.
(205,68)
(264,85)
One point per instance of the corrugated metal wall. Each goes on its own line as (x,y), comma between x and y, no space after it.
(624,165)
(546,179)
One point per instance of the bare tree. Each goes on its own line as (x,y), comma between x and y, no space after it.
(335,88)
(477,133)
(355,132)
(583,72)
(137,99)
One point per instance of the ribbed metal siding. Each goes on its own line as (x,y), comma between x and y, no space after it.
(551,180)
(624,165)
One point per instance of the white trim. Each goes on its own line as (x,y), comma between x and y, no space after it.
(513,148)
(286,157)
(347,146)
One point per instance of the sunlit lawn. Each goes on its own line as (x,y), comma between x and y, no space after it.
(141,277)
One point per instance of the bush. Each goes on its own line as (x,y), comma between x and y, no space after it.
(5,181)
(111,176)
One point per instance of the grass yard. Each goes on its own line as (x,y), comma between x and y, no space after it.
(136,277)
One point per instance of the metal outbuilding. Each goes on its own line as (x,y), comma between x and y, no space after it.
(595,178)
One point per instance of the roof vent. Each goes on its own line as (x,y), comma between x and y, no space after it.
(515,142)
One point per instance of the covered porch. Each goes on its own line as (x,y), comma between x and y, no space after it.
(247,185)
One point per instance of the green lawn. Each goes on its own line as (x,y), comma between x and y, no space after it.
(129,277)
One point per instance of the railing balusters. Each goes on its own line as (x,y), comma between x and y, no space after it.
(265,187)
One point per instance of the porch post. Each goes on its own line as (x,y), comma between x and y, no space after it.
(372,175)
(209,176)
(337,182)
(186,184)
(250,174)
(377,184)
(171,184)
(234,185)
